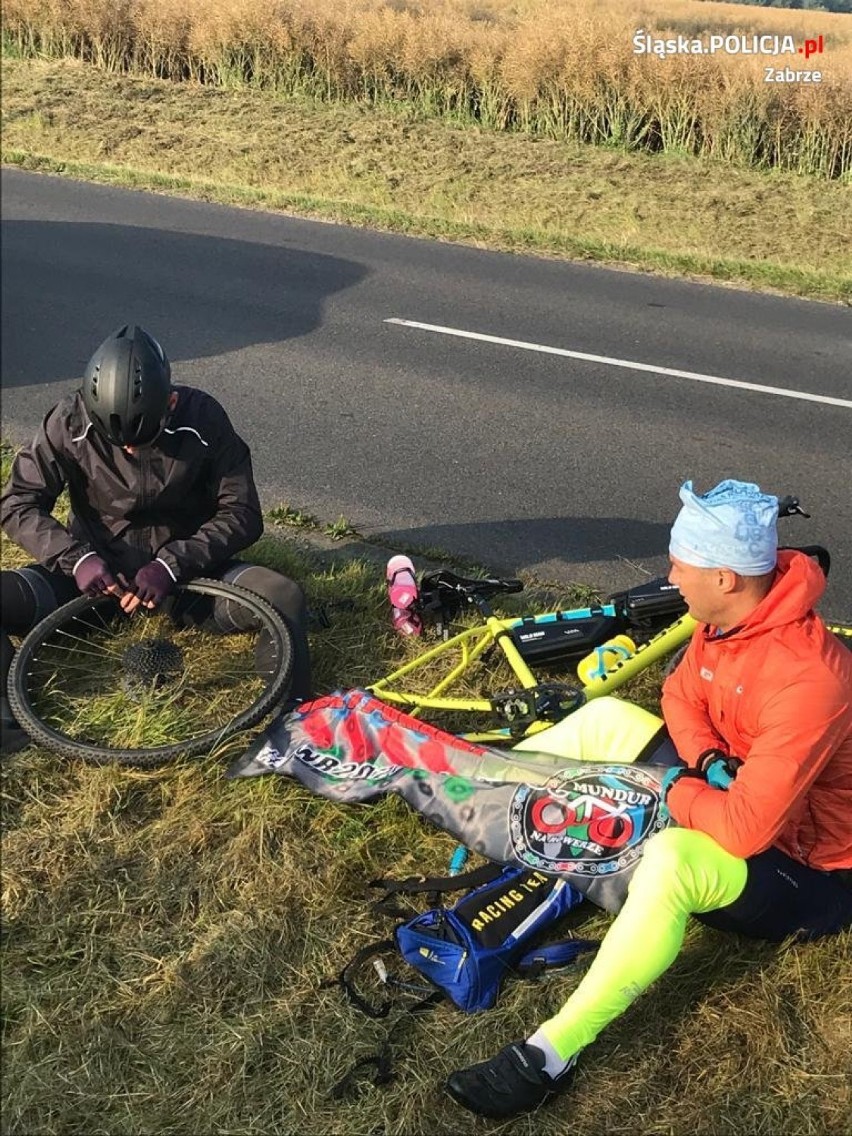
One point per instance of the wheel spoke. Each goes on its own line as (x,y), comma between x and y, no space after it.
(87,642)
(94,611)
(73,651)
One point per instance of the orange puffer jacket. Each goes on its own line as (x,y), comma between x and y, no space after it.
(777,693)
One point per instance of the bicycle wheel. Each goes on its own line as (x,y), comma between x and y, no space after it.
(92,682)
(673,661)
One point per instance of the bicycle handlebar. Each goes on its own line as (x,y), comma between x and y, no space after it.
(789,506)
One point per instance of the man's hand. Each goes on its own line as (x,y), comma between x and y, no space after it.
(93,577)
(151,584)
(719,768)
(672,774)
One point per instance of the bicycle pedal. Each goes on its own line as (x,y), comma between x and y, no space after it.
(517,707)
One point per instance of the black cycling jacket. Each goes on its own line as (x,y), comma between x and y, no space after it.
(189,499)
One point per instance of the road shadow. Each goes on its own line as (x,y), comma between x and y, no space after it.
(512,545)
(65,286)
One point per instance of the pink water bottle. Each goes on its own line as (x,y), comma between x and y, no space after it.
(403,593)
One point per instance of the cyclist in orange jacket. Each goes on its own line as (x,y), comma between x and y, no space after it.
(760,712)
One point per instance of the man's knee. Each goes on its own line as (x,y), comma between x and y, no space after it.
(611,730)
(686,869)
(29,594)
(668,851)
(284,594)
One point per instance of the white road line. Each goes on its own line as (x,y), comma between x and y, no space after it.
(804,396)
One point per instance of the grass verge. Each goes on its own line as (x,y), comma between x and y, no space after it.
(165,934)
(400,172)
(565,69)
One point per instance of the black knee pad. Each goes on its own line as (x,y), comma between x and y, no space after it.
(284,594)
(29,594)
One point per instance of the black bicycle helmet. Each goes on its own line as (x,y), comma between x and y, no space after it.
(126,387)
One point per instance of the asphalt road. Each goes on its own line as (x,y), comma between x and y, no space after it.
(518,457)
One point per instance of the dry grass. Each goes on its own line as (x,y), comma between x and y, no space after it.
(561,69)
(165,934)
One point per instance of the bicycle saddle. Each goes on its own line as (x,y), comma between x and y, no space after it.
(444,581)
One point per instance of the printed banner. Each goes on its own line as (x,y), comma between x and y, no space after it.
(585,821)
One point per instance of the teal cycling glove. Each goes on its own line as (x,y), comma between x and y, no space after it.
(715,767)
(719,768)
(673,774)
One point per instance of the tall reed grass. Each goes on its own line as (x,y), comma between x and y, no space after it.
(564,69)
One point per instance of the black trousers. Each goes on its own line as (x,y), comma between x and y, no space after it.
(28,594)
(783,897)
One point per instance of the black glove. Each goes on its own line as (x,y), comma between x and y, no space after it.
(152,583)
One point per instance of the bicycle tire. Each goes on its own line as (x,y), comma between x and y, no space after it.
(674,660)
(146,758)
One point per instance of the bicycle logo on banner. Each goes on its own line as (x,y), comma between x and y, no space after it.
(589,824)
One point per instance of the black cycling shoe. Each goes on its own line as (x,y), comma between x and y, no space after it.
(511,1082)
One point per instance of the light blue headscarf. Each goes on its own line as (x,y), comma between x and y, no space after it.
(732,526)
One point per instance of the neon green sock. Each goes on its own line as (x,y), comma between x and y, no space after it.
(682,872)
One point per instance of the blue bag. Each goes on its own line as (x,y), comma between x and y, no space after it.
(465,951)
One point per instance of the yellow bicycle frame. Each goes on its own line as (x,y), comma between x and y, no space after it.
(473,642)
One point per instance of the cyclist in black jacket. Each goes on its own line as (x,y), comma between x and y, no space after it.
(161,491)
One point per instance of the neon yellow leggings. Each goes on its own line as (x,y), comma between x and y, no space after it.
(682,872)
(605,729)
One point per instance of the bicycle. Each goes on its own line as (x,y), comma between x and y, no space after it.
(91,682)
(652,614)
